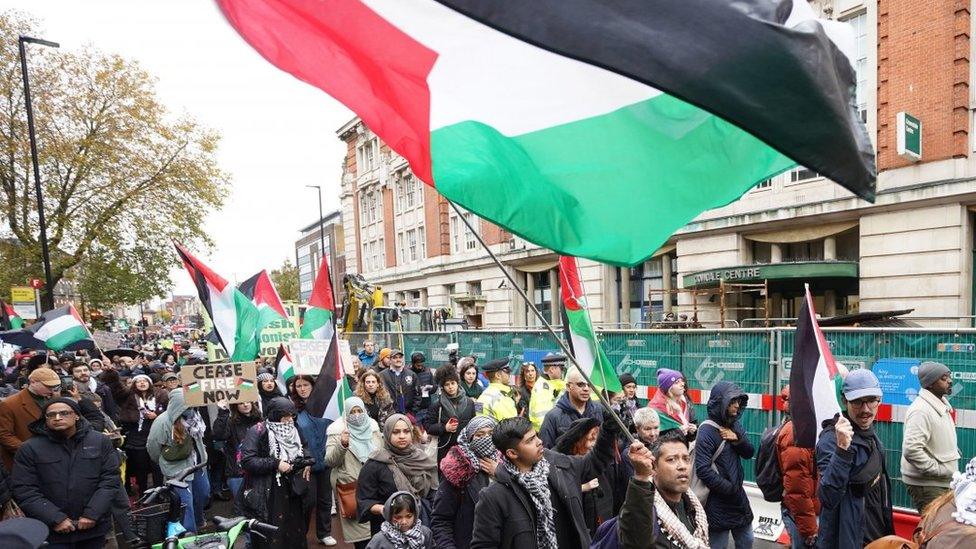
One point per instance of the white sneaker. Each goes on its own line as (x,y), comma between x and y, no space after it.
(328,541)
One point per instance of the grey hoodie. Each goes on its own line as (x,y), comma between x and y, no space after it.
(161,434)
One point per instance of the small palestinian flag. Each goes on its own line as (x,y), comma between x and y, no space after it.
(244,384)
(592,128)
(60,329)
(262,293)
(285,368)
(195,386)
(235,318)
(579,330)
(9,319)
(319,319)
(815,378)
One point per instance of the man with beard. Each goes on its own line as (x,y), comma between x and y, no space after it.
(67,477)
(722,445)
(855,490)
(20,410)
(81,373)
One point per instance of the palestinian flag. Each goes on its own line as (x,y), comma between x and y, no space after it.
(579,330)
(331,388)
(614,122)
(285,367)
(235,317)
(815,378)
(60,329)
(9,319)
(319,319)
(262,293)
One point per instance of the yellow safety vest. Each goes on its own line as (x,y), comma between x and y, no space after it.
(544,395)
(497,402)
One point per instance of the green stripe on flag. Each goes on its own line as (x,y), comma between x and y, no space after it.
(317,323)
(66,337)
(667,422)
(247,343)
(603,375)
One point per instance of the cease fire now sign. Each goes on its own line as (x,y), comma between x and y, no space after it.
(205,384)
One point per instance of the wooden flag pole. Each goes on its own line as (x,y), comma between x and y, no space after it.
(545,323)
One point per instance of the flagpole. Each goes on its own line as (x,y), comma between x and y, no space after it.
(545,323)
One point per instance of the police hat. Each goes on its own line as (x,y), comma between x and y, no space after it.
(554,359)
(494,365)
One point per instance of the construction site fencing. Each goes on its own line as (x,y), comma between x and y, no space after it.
(758,360)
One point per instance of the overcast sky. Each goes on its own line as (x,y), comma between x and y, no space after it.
(278,133)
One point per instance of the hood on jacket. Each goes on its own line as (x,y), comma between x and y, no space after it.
(387,507)
(579,429)
(175,407)
(722,395)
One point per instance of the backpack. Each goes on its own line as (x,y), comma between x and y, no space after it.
(769,477)
(698,486)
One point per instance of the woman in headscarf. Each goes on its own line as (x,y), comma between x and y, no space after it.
(379,404)
(352,438)
(231,427)
(468,372)
(670,400)
(399,464)
(401,527)
(268,389)
(313,432)
(276,490)
(466,470)
(141,404)
(450,412)
(597,492)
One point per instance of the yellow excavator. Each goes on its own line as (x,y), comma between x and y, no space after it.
(364,311)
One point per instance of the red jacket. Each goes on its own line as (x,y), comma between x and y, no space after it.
(800,480)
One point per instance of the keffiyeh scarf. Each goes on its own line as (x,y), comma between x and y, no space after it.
(675,530)
(473,448)
(964,487)
(536,483)
(284,443)
(411,539)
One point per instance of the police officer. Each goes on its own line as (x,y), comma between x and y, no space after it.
(548,388)
(498,400)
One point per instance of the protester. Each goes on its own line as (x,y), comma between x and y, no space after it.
(855,490)
(425,384)
(399,464)
(141,405)
(625,403)
(949,521)
(382,361)
(574,404)
(466,471)
(373,391)
(578,440)
(230,427)
(276,488)
(800,506)
(401,528)
(313,431)
(170,381)
(452,411)
(528,375)
(67,476)
(368,355)
(17,412)
(498,400)
(660,511)
(929,451)
(468,373)
(268,389)
(720,448)
(533,502)
(671,400)
(82,375)
(547,389)
(403,385)
(352,438)
(176,443)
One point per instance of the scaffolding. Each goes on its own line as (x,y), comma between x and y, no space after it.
(723,293)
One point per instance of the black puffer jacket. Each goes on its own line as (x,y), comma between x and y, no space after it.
(728,505)
(439,414)
(56,478)
(232,431)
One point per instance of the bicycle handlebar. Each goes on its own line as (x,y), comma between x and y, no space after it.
(188,471)
(228,523)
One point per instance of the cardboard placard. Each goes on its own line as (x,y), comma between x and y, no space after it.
(345,356)
(205,384)
(106,340)
(308,355)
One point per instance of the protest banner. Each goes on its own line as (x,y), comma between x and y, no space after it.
(308,355)
(345,357)
(107,340)
(205,384)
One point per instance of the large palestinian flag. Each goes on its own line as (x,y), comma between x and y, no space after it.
(262,293)
(595,129)
(579,330)
(235,318)
(815,378)
(60,329)
(331,388)
(319,319)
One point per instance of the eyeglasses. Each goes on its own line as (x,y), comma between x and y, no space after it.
(862,402)
(57,414)
(579,384)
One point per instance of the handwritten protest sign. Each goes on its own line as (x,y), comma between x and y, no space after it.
(106,340)
(210,383)
(308,355)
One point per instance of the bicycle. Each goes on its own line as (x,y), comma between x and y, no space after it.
(153,522)
(231,529)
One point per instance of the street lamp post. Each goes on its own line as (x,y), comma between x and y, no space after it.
(322,235)
(48,295)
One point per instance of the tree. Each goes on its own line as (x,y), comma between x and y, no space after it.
(285,279)
(121,177)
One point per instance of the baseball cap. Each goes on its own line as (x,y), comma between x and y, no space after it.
(46,376)
(861,383)
(170,375)
(396,352)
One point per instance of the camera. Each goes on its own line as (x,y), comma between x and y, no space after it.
(302,462)
(452,353)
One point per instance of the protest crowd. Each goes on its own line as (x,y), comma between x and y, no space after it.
(465,455)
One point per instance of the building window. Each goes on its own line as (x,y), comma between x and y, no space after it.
(542,295)
(462,239)
(764,184)
(366,156)
(411,245)
(802,174)
(860,24)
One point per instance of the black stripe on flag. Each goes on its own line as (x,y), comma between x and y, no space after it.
(792,88)
(806,356)
(327,382)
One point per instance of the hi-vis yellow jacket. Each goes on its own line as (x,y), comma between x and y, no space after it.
(544,395)
(498,401)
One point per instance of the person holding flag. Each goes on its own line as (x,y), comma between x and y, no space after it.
(672,404)
(313,430)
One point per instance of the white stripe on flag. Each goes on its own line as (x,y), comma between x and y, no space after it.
(56,326)
(224,315)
